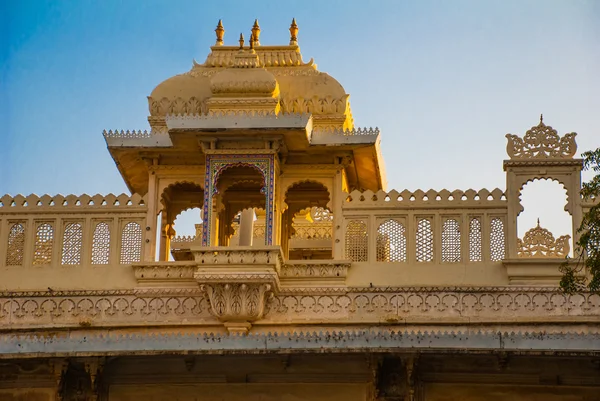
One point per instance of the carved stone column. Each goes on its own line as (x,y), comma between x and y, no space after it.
(238,282)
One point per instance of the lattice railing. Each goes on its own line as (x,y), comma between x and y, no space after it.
(71,230)
(425,227)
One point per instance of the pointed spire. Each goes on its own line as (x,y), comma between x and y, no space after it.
(538,224)
(251,42)
(541,118)
(220,31)
(241,41)
(294,32)
(256,33)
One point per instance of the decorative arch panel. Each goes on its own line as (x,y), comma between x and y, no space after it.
(216,164)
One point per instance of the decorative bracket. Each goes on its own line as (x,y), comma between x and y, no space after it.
(238,282)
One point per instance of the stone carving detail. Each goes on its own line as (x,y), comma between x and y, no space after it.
(348,132)
(72,244)
(391,241)
(101,308)
(316,105)
(131,243)
(357,241)
(177,106)
(348,305)
(44,240)
(157,271)
(220,256)
(320,214)
(237,282)
(424,241)
(70,203)
(317,230)
(497,240)
(236,87)
(475,240)
(316,269)
(127,134)
(16,245)
(268,57)
(430,199)
(237,304)
(540,142)
(101,244)
(540,243)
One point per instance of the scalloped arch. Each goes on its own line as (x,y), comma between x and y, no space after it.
(307,181)
(179,182)
(235,164)
(543,178)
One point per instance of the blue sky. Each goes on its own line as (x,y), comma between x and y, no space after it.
(444,80)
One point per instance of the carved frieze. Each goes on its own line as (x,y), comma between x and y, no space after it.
(168,306)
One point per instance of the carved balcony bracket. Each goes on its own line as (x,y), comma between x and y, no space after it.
(238,282)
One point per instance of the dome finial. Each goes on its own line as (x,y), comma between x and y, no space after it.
(294,32)
(241,41)
(256,33)
(220,31)
(541,118)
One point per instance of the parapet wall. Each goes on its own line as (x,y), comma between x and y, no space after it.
(48,239)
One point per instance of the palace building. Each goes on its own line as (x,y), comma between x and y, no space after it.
(307,279)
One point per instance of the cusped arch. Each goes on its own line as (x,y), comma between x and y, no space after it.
(562,180)
(309,181)
(225,167)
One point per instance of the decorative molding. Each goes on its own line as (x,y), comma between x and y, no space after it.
(315,230)
(268,56)
(246,256)
(70,203)
(316,270)
(155,271)
(177,106)
(326,105)
(541,142)
(430,199)
(301,306)
(540,243)
(127,134)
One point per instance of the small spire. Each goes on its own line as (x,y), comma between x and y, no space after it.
(541,118)
(294,32)
(256,33)
(220,31)
(251,42)
(538,222)
(241,41)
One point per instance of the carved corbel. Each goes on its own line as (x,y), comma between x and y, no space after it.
(237,305)
(238,283)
